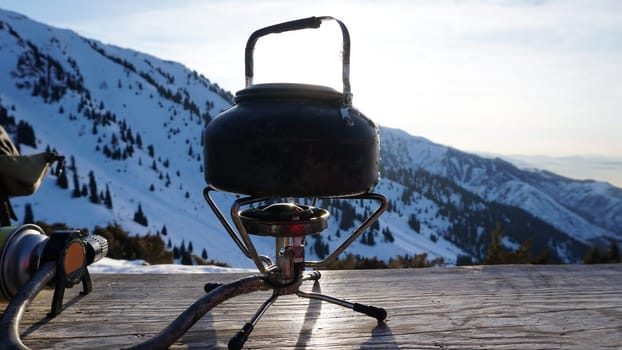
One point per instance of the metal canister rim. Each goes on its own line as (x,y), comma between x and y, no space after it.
(10,243)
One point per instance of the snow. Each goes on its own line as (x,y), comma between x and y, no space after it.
(117,266)
(172,131)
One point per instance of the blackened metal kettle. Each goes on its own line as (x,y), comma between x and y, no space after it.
(292,140)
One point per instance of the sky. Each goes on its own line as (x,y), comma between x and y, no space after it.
(530,78)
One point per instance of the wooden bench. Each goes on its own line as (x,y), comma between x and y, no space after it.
(479,307)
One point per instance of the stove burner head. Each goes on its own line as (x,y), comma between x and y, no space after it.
(284,220)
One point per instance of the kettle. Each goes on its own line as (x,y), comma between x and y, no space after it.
(290,139)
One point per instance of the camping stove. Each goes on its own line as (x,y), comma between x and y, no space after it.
(289,224)
(295,141)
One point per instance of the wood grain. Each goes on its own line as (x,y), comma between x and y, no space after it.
(480,307)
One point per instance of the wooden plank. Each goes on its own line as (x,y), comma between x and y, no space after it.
(481,307)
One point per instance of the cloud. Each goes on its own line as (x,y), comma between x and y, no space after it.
(508,76)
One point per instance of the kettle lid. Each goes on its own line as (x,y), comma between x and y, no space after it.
(288,91)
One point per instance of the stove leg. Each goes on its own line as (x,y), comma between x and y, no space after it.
(312,276)
(378,313)
(238,340)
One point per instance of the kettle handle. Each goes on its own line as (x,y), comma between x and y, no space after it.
(305,23)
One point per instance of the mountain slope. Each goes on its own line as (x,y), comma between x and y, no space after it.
(588,210)
(130,125)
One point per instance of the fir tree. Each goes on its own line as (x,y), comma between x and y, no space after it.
(61,179)
(26,134)
(388,236)
(414,223)
(28,215)
(371,240)
(108,198)
(186,259)
(495,248)
(594,257)
(94,197)
(321,248)
(76,181)
(140,217)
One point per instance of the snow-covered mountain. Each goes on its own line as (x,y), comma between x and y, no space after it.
(131,124)
(587,210)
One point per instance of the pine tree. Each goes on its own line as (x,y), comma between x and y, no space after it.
(61,180)
(28,215)
(321,248)
(368,239)
(388,236)
(76,181)
(348,214)
(94,197)
(108,198)
(495,249)
(376,225)
(414,223)
(26,134)
(164,230)
(140,217)
(204,254)
(593,256)
(371,240)
(186,259)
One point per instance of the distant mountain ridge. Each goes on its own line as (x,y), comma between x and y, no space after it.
(603,168)
(131,124)
(585,209)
